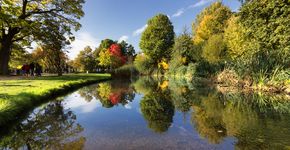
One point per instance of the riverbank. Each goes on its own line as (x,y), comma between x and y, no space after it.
(228,79)
(228,84)
(20,94)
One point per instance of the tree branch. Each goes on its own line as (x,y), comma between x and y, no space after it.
(19,38)
(40,12)
(24,5)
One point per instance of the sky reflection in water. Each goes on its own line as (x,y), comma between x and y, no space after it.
(154,115)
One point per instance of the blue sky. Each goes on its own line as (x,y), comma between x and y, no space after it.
(126,19)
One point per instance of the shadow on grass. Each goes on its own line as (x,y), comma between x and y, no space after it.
(4,96)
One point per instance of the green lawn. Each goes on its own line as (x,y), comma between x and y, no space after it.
(19,94)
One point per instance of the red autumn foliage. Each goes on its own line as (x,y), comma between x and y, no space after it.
(116,50)
(115,98)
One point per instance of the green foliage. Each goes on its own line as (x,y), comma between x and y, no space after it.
(238,45)
(126,70)
(208,37)
(52,60)
(267,22)
(212,20)
(19,58)
(85,60)
(49,22)
(158,38)
(206,69)
(158,112)
(106,43)
(191,70)
(214,50)
(51,121)
(175,63)
(184,47)
(127,49)
(184,52)
(144,64)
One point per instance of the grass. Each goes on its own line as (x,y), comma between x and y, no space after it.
(18,95)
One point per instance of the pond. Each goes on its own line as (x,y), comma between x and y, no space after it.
(153,114)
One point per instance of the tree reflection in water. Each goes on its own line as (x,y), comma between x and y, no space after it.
(109,93)
(50,127)
(158,111)
(156,105)
(254,125)
(256,121)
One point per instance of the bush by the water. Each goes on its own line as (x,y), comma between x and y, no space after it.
(126,70)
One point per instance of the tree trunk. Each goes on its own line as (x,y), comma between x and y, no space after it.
(5,50)
(59,64)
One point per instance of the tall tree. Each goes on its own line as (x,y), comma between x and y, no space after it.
(158,38)
(118,57)
(184,47)
(106,43)
(85,59)
(267,22)
(22,21)
(214,50)
(128,50)
(53,60)
(212,20)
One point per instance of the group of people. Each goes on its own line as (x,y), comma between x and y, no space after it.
(32,69)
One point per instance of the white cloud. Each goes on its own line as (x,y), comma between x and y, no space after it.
(128,106)
(178,13)
(200,3)
(82,40)
(140,30)
(123,38)
(76,102)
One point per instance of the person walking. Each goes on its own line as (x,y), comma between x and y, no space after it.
(26,68)
(38,69)
(31,66)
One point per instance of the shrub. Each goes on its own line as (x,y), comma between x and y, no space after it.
(206,69)
(144,64)
(228,77)
(126,70)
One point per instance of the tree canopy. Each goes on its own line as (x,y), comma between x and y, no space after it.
(158,38)
(85,60)
(212,20)
(47,21)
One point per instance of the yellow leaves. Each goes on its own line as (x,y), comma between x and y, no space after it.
(234,38)
(237,42)
(183,60)
(204,30)
(163,64)
(104,90)
(105,58)
(164,85)
(214,49)
(211,21)
(19,67)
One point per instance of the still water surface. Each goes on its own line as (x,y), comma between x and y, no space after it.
(150,114)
